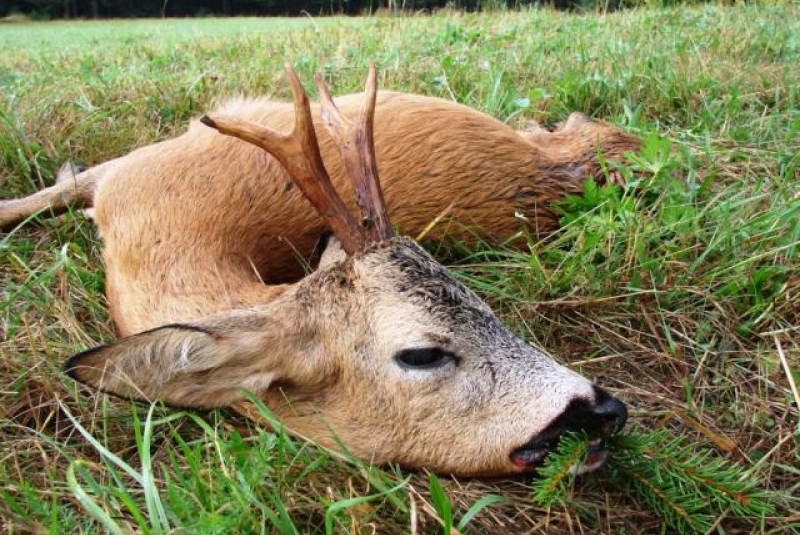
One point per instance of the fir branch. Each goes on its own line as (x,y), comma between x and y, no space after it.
(714,479)
(679,511)
(556,472)
(687,485)
(675,500)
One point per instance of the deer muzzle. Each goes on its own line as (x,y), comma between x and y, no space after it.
(598,419)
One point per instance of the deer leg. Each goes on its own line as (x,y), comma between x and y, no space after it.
(71,190)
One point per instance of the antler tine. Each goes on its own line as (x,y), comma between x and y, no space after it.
(298,152)
(357,147)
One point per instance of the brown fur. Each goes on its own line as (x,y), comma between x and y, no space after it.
(321,357)
(222,216)
(205,238)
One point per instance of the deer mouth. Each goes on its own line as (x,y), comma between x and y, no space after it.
(533,454)
(605,416)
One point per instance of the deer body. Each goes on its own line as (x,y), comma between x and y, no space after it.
(197,224)
(205,240)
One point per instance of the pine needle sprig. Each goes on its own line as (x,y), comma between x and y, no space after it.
(556,474)
(674,498)
(688,486)
(677,463)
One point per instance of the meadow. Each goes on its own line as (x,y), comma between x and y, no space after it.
(679,292)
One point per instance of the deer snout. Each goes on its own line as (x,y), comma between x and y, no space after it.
(597,418)
(610,412)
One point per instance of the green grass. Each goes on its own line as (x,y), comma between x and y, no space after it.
(675,293)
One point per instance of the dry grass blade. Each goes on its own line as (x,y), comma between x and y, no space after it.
(788,370)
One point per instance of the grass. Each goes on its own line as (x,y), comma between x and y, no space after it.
(676,293)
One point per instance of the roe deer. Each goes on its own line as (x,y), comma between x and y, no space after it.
(379,349)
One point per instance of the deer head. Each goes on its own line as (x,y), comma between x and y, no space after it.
(380,349)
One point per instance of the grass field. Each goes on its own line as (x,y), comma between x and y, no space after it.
(679,295)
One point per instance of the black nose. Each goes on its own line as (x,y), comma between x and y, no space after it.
(602,416)
(610,411)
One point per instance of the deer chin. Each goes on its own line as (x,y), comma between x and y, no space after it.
(532,455)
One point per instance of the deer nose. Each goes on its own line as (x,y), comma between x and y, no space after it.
(610,411)
(597,418)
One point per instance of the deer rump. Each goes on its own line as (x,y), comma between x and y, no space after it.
(380,350)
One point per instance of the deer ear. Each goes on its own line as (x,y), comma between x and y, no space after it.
(193,366)
(331,253)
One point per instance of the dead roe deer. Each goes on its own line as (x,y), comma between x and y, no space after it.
(379,350)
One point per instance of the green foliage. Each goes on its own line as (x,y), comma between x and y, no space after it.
(556,476)
(663,235)
(18,151)
(235,474)
(441,503)
(688,487)
(23,10)
(204,495)
(444,508)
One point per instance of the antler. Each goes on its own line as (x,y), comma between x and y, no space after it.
(298,152)
(357,147)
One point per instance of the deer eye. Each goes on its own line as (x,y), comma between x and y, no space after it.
(423,358)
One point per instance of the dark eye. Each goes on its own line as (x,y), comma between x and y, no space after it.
(423,358)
